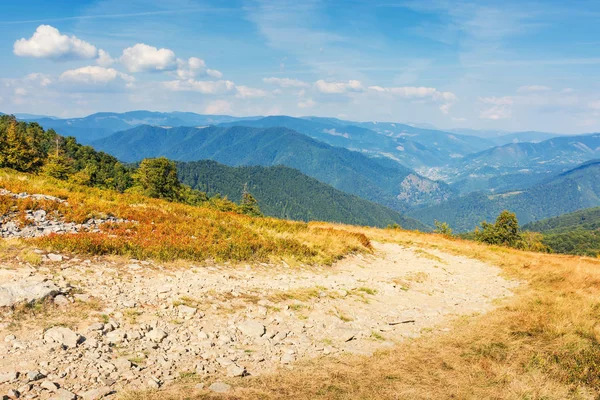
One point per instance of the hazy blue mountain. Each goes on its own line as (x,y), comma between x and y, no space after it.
(103,124)
(414,147)
(376,179)
(573,190)
(519,137)
(285,192)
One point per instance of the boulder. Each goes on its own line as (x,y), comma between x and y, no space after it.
(156,335)
(252,328)
(26,291)
(62,335)
(220,387)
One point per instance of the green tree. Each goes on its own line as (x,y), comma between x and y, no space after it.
(249,204)
(504,232)
(18,151)
(442,228)
(58,165)
(157,177)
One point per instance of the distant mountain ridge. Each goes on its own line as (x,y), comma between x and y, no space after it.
(380,180)
(284,192)
(573,190)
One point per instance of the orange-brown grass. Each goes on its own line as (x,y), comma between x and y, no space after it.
(543,343)
(170,231)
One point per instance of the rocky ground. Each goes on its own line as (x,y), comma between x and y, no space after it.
(39,223)
(107,324)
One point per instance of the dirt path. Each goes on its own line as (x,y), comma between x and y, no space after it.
(140,324)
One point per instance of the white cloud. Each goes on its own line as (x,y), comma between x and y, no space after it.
(213,73)
(338,87)
(308,103)
(413,92)
(104,59)
(245,92)
(499,101)
(20,91)
(218,107)
(500,109)
(533,89)
(191,68)
(285,82)
(94,75)
(595,105)
(144,58)
(205,87)
(38,78)
(48,42)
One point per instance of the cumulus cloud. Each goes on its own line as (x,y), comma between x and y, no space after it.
(205,87)
(500,109)
(213,73)
(413,92)
(498,101)
(104,59)
(533,89)
(48,42)
(218,107)
(191,68)
(245,92)
(338,87)
(94,75)
(286,82)
(38,78)
(308,103)
(144,58)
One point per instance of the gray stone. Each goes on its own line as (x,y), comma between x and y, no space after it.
(186,311)
(98,326)
(54,257)
(116,337)
(235,370)
(49,385)
(156,335)
(26,291)
(13,394)
(96,394)
(64,394)
(62,335)
(252,328)
(33,376)
(61,300)
(9,376)
(122,363)
(220,387)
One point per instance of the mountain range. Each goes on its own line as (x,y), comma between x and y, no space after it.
(287,193)
(575,189)
(377,179)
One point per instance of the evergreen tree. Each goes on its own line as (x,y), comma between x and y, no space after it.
(249,204)
(157,177)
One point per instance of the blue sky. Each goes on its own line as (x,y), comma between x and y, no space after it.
(507,65)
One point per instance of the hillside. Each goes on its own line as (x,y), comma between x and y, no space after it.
(283,192)
(380,180)
(573,233)
(570,191)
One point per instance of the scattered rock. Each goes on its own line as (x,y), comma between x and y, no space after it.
(54,257)
(116,337)
(49,385)
(63,336)
(156,335)
(26,290)
(95,394)
(235,370)
(33,376)
(220,387)
(63,394)
(61,300)
(252,328)
(9,376)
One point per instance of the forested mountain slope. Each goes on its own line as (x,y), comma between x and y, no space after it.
(380,180)
(285,192)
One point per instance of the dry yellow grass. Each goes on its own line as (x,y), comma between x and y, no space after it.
(542,344)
